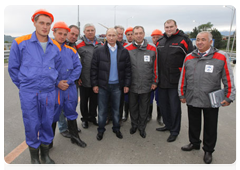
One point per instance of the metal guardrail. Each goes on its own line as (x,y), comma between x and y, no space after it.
(7,46)
(6,54)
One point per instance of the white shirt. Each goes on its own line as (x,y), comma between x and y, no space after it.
(205,52)
(141,43)
(112,48)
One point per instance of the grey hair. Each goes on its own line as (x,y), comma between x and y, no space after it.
(112,29)
(206,32)
(88,25)
(119,26)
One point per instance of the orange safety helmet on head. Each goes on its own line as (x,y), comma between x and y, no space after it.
(157,32)
(128,29)
(42,11)
(61,24)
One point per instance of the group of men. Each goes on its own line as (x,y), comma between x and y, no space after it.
(112,75)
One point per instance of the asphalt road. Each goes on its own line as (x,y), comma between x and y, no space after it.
(132,149)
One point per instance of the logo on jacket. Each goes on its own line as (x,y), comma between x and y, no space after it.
(174,43)
(209,68)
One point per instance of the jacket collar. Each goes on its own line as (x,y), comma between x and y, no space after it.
(87,42)
(208,56)
(34,38)
(119,45)
(143,47)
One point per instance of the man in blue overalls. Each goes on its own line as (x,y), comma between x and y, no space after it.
(66,91)
(34,63)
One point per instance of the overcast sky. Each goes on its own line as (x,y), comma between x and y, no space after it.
(17,18)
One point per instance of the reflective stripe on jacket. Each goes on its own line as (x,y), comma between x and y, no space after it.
(171,54)
(202,75)
(144,66)
(71,66)
(30,68)
(85,50)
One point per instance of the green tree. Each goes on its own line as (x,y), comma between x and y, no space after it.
(205,27)
(217,38)
(194,33)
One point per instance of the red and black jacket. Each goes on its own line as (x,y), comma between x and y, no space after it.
(171,54)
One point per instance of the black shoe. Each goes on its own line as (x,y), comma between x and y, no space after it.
(85,124)
(133,130)
(172,138)
(45,155)
(190,147)
(118,134)
(99,136)
(34,153)
(78,141)
(162,129)
(66,134)
(143,133)
(207,157)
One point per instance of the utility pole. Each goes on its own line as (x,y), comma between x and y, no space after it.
(78,23)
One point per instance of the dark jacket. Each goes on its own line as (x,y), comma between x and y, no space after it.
(100,68)
(171,54)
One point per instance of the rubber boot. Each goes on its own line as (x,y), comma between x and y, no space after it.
(73,130)
(53,128)
(149,117)
(34,153)
(159,116)
(45,155)
(126,110)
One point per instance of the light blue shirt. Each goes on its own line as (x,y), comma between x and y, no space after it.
(113,76)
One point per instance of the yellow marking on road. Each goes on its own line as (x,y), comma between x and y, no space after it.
(16,152)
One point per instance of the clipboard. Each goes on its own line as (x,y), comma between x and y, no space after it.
(216,97)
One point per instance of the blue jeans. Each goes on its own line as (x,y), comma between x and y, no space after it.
(113,91)
(62,123)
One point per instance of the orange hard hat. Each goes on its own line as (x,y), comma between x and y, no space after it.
(42,11)
(61,24)
(157,32)
(128,29)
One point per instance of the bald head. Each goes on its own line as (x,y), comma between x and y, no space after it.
(111,30)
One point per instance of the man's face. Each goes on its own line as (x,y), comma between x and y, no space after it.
(202,42)
(170,28)
(43,25)
(155,38)
(73,35)
(129,36)
(60,35)
(138,35)
(111,37)
(120,34)
(90,33)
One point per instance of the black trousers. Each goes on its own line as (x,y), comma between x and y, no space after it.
(139,105)
(88,103)
(210,117)
(170,107)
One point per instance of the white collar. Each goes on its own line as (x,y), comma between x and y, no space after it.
(205,51)
(141,43)
(112,48)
